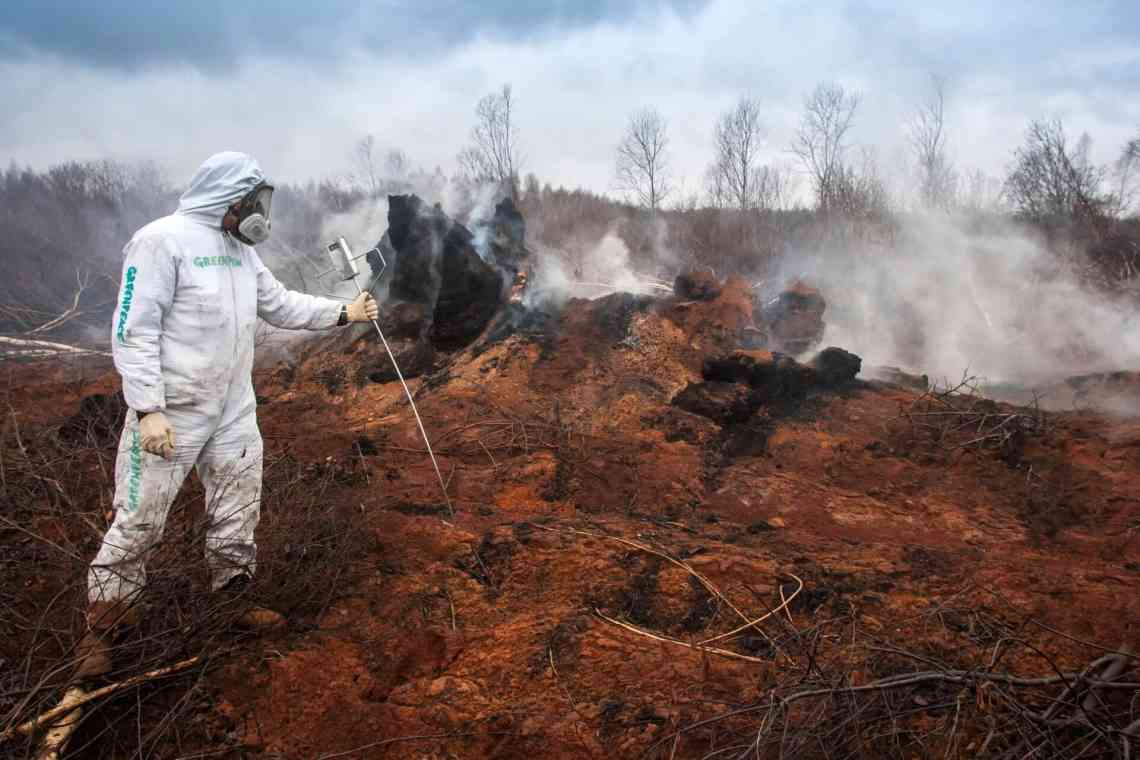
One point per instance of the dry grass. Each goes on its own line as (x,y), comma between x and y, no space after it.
(56,485)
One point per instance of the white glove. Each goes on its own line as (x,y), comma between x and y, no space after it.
(363,309)
(157,436)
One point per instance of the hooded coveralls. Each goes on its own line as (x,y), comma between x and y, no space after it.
(182,339)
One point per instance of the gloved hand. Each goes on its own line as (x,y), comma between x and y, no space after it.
(157,436)
(363,309)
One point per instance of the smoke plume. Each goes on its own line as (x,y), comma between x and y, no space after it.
(948,296)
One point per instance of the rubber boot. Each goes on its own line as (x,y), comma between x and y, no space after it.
(93,652)
(254,618)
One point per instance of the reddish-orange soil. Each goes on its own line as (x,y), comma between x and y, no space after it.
(478,635)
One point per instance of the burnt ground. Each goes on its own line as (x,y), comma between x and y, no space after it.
(489,633)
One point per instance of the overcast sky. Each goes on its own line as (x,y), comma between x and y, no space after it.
(296,83)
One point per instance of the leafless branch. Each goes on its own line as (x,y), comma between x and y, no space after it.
(1054,182)
(494,154)
(642,160)
(926,132)
(738,137)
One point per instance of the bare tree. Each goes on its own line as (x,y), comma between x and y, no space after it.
(494,154)
(1126,167)
(642,163)
(365,166)
(396,164)
(860,192)
(732,179)
(820,141)
(772,187)
(473,165)
(981,193)
(716,188)
(927,136)
(531,200)
(1052,182)
(775,185)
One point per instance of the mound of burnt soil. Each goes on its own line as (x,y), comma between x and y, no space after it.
(438,268)
(598,460)
(584,446)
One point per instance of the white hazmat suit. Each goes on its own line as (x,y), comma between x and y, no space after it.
(182,339)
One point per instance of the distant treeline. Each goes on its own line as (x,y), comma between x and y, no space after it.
(62,231)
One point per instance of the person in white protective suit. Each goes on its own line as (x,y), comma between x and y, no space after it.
(192,291)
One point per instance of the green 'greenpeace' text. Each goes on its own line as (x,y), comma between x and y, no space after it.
(125,306)
(135,473)
(216,261)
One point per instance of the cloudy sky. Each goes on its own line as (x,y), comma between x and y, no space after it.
(297,83)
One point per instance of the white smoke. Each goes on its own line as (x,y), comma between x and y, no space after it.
(486,196)
(947,297)
(607,264)
(588,270)
(550,283)
(361,226)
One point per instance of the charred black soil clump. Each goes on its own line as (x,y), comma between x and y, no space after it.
(437,266)
(722,402)
(415,359)
(736,386)
(535,325)
(614,313)
(636,600)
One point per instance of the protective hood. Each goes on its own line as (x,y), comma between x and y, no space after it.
(221,180)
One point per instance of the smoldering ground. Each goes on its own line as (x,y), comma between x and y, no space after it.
(953,294)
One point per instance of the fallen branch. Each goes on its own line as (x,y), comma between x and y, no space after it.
(76,697)
(42,348)
(56,739)
(71,312)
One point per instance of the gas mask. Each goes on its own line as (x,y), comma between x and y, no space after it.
(248,218)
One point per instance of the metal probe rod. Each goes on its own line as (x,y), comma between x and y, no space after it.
(408,392)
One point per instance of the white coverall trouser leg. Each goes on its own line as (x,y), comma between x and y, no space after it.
(229,462)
